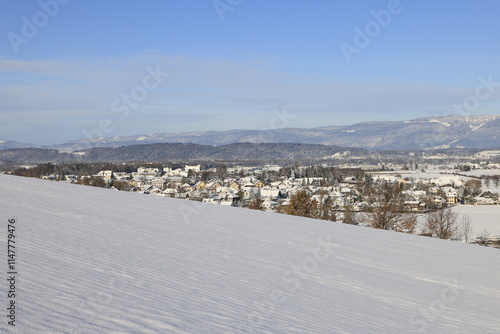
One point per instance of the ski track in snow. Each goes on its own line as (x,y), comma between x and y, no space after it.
(101,261)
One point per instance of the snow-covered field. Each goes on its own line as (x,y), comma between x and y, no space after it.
(481,172)
(100,261)
(483,217)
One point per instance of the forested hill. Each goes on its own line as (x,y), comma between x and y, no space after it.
(185,152)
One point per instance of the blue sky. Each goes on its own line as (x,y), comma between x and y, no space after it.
(235,64)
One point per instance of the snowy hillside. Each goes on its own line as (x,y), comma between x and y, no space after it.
(92,260)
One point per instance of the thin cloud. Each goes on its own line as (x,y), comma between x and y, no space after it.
(47,95)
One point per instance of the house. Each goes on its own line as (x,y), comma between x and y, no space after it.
(272,168)
(258,184)
(345,190)
(200,185)
(415,205)
(452,197)
(271,193)
(486,198)
(228,199)
(178,172)
(198,195)
(279,185)
(159,183)
(156,191)
(235,185)
(71,178)
(121,176)
(174,181)
(434,190)
(170,192)
(415,195)
(269,205)
(181,195)
(247,194)
(106,174)
(195,168)
(134,184)
(186,187)
(439,202)
(213,185)
(148,171)
(248,185)
(488,194)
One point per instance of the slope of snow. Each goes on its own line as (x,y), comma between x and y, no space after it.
(440,122)
(100,261)
(475,127)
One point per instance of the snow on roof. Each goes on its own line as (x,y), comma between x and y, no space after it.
(162,265)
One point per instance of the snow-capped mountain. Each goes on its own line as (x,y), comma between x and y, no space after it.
(422,133)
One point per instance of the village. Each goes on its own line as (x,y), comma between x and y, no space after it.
(271,186)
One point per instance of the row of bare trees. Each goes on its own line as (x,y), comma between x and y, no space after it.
(445,224)
(386,211)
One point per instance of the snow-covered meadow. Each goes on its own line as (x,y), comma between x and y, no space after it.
(93,260)
(483,217)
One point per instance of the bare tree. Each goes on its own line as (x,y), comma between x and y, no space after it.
(483,238)
(464,232)
(496,180)
(325,207)
(442,224)
(301,204)
(388,211)
(487,181)
(407,225)
(349,215)
(256,204)
(473,187)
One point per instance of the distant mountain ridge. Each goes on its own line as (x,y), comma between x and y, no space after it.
(8,144)
(421,133)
